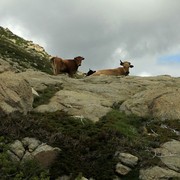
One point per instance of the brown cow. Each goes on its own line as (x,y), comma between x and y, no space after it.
(117,71)
(69,66)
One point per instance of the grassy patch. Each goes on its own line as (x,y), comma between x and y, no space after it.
(126,125)
(46,94)
(18,54)
(89,148)
(163,131)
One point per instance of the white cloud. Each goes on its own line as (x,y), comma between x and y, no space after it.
(103,31)
(17,28)
(144,74)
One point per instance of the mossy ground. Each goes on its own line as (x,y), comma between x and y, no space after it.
(46,94)
(88,147)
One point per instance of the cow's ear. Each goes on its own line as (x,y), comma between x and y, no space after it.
(75,58)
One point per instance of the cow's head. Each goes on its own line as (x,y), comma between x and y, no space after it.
(78,60)
(126,64)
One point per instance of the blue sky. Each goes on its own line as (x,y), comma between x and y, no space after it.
(169,59)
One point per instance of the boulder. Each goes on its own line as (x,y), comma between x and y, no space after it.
(169,154)
(17,148)
(157,173)
(39,81)
(156,102)
(31,148)
(15,94)
(75,103)
(46,157)
(92,97)
(31,143)
(5,66)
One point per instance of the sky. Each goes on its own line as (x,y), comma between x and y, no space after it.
(143,32)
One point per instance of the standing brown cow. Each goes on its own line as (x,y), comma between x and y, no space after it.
(69,66)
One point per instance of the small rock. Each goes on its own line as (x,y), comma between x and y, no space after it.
(27,156)
(128,159)
(31,143)
(122,169)
(34,92)
(31,148)
(17,148)
(13,156)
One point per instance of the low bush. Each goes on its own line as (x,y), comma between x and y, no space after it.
(89,148)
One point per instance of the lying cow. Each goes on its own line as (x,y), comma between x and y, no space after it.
(117,71)
(69,66)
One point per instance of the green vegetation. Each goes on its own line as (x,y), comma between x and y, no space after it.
(46,94)
(89,148)
(19,171)
(8,34)
(13,48)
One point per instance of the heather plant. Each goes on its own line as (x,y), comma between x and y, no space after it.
(88,148)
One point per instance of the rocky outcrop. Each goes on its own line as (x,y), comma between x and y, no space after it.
(169,153)
(5,66)
(36,48)
(22,54)
(15,94)
(156,102)
(93,97)
(31,148)
(157,173)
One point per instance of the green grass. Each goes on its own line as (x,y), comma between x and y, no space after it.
(46,94)
(8,34)
(88,148)
(126,125)
(18,54)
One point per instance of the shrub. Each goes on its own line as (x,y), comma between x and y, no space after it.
(88,148)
